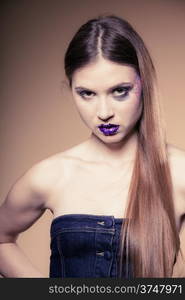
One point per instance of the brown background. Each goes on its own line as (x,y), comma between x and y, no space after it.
(37,114)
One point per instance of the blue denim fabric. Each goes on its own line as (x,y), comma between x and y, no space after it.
(84,245)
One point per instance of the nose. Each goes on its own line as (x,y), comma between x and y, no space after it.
(104,110)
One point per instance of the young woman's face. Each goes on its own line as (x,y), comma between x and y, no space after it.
(105,92)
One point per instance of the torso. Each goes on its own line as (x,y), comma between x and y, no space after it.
(86,187)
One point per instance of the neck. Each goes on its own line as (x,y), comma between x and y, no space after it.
(114,154)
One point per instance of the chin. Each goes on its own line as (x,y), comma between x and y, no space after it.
(111,139)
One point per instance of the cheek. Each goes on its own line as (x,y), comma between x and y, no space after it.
(136,102)
(85,111)
(137,110)
(132,108)
(83,108)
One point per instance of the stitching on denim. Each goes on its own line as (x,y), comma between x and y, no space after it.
(116,251)
(82,230)
(96,264)
(110,265)
(86,228)
(62,261)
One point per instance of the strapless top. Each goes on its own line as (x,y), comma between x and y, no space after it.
(85,245)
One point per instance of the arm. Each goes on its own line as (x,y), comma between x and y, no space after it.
(23,205)
(179,267)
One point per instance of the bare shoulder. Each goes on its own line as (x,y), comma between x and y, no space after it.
(36,182)
(176,156)
(177,164)
(176,151)
(43,175)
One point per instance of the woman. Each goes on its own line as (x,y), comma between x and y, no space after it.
(118,197)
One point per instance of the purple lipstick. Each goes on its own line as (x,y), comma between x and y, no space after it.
(108,129)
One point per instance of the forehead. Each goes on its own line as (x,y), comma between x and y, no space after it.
(102,74)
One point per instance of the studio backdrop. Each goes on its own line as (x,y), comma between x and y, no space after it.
(37,115)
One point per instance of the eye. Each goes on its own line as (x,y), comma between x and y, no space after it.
(85,94)
(121,92)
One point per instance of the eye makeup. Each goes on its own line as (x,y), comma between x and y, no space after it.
(119,91)
(86,94)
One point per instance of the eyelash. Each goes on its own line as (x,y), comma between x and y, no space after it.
(126,90)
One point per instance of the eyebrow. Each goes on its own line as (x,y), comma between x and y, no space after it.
(80,88)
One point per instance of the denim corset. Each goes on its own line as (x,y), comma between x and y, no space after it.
(84,245)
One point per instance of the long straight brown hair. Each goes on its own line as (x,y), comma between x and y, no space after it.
(149,237)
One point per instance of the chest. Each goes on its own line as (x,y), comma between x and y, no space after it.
(99,190)
(93,191)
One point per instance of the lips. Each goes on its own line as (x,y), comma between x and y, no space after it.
(108,129)
(107,125)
